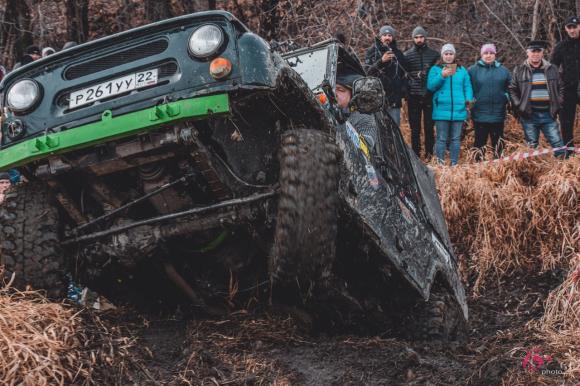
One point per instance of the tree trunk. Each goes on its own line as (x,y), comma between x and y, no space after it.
(269,19)
(156,10)
(15,31)
(77,16)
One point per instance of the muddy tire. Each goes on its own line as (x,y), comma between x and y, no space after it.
(29,239)
(441,318)
(305,235)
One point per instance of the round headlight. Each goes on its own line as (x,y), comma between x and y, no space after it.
(206,40)
(23,95)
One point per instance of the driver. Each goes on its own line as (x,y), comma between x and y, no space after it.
(364,124)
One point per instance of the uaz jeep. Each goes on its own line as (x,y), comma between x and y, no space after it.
(191,134)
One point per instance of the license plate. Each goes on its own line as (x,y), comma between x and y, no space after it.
(112,88)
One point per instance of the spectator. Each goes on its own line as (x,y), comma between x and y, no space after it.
(4,184)
(420,59)
(2,72)
(385,61)
(536,92)
(452,94)
(46,51)
(490,81)
(364,124)
(566,55)
(31,54)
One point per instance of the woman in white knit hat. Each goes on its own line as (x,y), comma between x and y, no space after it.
(452,95)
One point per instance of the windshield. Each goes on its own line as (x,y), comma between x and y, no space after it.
(311,66)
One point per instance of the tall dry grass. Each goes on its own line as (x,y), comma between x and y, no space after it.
(561,320)
(44,343)
(509,216)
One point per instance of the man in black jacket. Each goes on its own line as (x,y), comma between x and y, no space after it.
(420,59)
(566,55)
(385,61)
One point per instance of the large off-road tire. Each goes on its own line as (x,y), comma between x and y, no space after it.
(441,318)
(306,223)
(29,239)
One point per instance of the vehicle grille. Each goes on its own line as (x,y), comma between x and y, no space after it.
(118,58)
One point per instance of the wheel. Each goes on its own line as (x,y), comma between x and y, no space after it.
(305,235)
(29,239)
(440,318)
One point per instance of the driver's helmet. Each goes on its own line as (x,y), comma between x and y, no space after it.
(347,79)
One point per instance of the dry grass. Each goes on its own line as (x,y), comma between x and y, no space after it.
(510,216)
(44,343)
(561,321)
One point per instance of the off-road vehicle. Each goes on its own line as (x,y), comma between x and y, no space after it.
(192,137)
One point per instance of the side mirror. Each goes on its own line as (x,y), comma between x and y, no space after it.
(368,95)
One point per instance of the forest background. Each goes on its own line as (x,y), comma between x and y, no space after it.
(466,23)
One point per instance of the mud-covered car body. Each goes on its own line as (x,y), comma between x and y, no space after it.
(146,149)
(389,191)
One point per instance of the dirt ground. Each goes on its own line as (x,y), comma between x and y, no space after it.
(280,347)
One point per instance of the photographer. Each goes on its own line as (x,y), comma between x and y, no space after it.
(385,61)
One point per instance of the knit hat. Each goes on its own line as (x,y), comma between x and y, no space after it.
(387,29)
(489,47)
(46,51)
(419,31)
(447,48)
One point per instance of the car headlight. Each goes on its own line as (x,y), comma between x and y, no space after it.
(23,95)
(206,40)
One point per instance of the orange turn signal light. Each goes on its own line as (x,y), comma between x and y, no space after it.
(322,98)
(220,68)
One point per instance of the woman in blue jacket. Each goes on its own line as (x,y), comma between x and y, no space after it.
(452,94)
(490,82)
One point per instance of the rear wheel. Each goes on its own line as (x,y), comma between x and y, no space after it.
(29,239)
(440,318)
(306,225)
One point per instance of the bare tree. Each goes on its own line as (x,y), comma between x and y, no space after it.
(156,10)
(15,31)
(77,16)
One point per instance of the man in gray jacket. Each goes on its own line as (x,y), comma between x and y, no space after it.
(536,91)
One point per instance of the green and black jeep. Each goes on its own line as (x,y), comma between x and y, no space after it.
(192,137)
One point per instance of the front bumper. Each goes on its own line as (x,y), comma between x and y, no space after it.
(110,127)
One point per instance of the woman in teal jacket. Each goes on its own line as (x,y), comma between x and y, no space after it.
(452,94)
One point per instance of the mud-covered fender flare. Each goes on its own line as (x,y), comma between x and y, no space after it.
(258,64)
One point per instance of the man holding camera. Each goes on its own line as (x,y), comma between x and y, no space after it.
(420,59)
(385,61)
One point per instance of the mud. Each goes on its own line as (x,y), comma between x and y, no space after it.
(280,346)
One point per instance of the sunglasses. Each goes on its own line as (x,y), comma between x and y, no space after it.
(536,50)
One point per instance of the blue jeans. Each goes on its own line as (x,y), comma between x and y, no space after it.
(395,113)
(448,131)
(542,121)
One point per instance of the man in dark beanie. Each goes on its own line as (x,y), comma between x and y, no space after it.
(566,55)
(420,59)
(31,54)
(385,61)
